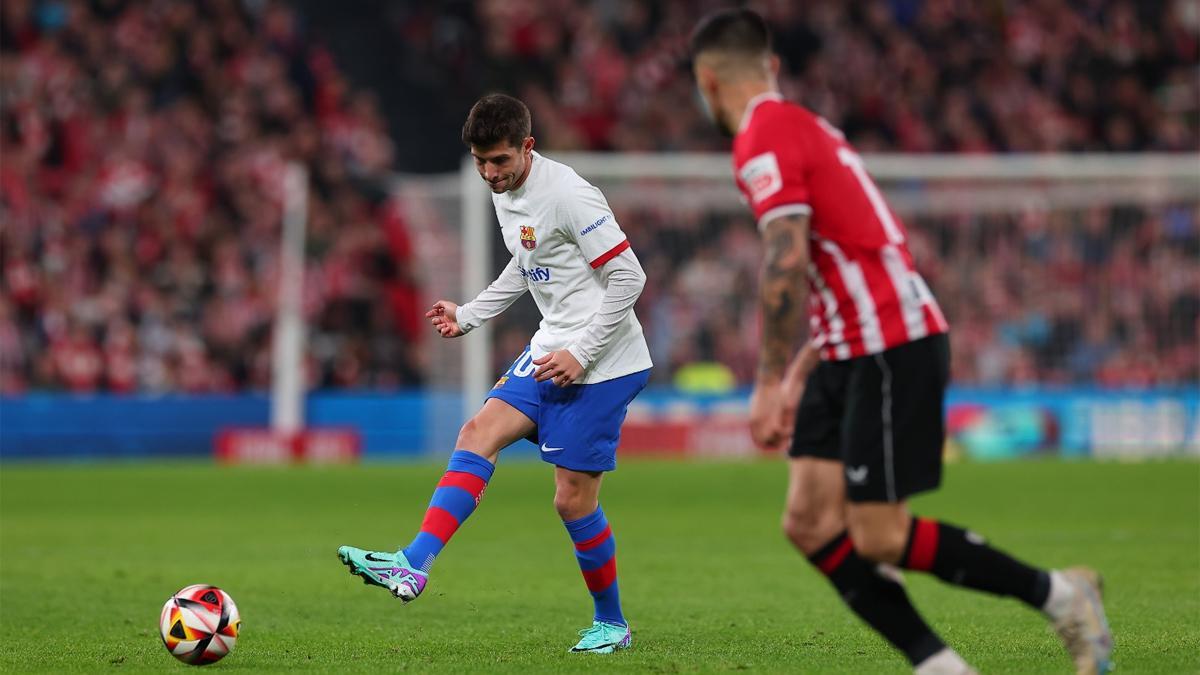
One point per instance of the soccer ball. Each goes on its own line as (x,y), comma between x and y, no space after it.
(199,624)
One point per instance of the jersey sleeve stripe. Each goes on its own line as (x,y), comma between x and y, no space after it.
(612,253)
(785,210)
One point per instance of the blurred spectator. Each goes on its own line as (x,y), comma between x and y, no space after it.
(897,75)
(143,149)
(142,144)
(1094,296)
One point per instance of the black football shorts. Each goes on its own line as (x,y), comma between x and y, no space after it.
(881,416)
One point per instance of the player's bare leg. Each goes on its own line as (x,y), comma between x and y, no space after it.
(814,520)
(814,512)
(406,572)
(496,426)
(1071,599)
(576,493)
(577,500)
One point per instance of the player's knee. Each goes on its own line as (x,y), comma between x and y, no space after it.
(809,528)
(884,545)
(573,499)
(569,502)
(475,436)
(468,435)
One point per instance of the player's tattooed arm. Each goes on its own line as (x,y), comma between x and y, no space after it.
(783,293)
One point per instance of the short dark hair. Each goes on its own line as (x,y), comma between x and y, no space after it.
(495,118)
(739,31)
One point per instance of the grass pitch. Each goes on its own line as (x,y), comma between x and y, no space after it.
(88,554)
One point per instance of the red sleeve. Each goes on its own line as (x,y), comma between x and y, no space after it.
(770,165)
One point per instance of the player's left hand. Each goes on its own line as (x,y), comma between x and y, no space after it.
(767,426)
(559,366)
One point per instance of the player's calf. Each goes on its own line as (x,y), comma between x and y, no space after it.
(576,497)
(964,558)
(1070,598)
(406,572)
(879,530)
(877,599)
(815,510)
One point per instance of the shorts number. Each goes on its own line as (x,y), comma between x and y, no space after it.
(524,366)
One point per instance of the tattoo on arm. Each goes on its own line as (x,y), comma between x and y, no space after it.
(783,293)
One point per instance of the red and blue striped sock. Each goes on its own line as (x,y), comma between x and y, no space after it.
(596,551)
(456,496)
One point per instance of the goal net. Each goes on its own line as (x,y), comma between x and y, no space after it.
(1054,271)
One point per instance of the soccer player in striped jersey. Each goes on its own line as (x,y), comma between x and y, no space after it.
(862,400)
(569,390)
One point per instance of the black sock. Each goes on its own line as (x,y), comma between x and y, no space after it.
(879,601)
(963,558)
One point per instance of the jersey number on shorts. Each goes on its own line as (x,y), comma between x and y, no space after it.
(524,366)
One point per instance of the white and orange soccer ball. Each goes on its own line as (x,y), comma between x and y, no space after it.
(199,624)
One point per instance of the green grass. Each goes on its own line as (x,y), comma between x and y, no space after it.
(88,554)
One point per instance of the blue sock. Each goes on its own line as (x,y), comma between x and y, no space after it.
(455,498)
(596,551)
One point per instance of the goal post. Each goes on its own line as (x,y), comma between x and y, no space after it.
(288,340)
(289,437)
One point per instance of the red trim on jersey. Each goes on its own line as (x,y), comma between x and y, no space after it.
(602,577)
(595,541)
(440,523)
(834,560)
(612,253)
(924,545)
(465,481)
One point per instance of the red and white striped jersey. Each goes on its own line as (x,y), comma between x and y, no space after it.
(866,295)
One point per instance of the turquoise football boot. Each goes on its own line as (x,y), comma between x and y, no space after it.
(386,570)
(603,638)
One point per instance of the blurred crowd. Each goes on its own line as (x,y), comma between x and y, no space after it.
(1105,295)
(1110,296)
(897,75)
(141,193)
(142,145)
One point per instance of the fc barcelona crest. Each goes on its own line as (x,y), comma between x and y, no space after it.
(528,240)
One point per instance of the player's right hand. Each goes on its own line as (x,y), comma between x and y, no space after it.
(767,426)
(791,391)
(444,317)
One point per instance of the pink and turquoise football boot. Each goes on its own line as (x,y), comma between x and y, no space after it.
(386,570)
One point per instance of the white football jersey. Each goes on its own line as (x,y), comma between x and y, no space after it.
(560,231)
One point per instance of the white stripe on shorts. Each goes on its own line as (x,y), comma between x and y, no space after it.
(889,467)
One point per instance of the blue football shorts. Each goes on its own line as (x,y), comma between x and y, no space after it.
(578,426)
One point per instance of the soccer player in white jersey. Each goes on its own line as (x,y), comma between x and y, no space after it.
(569,391)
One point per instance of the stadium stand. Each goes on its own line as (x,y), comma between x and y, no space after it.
(140,196)
(142,144)
(897,75)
